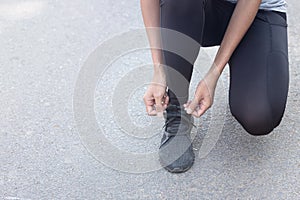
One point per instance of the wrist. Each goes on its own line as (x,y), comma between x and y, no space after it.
(158,68)
(220,61)
(215,71)
(156,56)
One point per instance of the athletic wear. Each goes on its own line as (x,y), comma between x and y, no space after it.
(275,5)
(259,67)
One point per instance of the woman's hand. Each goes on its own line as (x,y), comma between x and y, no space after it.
(204,95)
(155,98)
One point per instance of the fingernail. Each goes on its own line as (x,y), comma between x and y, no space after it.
(189,111)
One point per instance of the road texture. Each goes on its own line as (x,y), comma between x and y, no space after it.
(43,155)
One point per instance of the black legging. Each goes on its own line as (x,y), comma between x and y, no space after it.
(259,68)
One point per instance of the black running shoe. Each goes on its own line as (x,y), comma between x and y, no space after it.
(176,153)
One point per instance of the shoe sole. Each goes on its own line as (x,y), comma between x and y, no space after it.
(177,170)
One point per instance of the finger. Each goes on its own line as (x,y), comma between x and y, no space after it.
(192,106)
(148,99)
(187,104)
(195,112)
(151,111)
(167,100)
(202,109)
(158,104)
(149,103)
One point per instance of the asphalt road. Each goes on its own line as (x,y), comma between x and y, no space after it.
(48,149)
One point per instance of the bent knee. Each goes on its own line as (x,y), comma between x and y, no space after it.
(257,126)
(257,123)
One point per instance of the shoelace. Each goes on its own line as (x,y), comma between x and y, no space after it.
(176,113)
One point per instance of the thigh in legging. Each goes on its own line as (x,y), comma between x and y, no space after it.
(200,23)
(259,75)
(181,23)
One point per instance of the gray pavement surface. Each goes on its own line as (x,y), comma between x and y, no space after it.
(44,45)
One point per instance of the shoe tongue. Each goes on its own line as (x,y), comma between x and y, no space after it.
(173,108)
(174,116)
